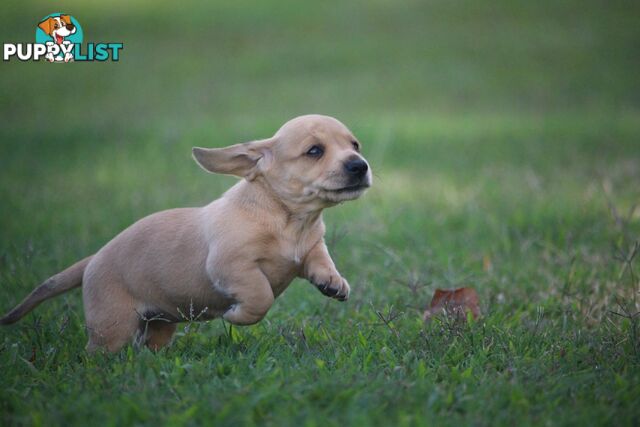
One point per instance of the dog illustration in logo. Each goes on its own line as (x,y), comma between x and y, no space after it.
(58,27)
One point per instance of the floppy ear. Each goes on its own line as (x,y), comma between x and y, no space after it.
(246,160)
(66,18)
(46,25)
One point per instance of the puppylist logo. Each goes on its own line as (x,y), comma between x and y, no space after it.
(59,39)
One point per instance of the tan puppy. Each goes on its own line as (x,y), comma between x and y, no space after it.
(228,259)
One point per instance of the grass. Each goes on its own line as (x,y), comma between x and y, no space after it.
(504,138)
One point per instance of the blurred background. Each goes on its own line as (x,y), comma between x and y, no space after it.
(214,60)
(504,137)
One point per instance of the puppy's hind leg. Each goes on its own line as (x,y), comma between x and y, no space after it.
(159,334)
(112,334)
(111,317)
(113,330)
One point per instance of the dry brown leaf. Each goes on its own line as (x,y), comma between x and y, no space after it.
(456,302)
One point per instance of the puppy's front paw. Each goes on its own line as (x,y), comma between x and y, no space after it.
(333,286)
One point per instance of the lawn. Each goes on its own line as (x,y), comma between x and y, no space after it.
(505,143)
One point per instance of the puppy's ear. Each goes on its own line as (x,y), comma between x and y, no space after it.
(246,160)
(46,25)
(66,18)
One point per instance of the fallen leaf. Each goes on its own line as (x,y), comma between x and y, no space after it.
(456,302)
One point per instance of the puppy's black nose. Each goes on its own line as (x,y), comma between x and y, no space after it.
(70,27)
(357,167)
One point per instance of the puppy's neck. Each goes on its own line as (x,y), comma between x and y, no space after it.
(257,196)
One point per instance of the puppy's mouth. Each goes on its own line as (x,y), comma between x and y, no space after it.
(349,192)
(59,39)
(350,188)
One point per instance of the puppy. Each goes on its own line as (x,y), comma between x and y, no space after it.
(228,259)
(58,28)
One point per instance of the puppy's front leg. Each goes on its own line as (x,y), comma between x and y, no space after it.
(320,270)
(253,296)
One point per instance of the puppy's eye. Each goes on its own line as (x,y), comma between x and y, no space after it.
(315,151)
(356,146)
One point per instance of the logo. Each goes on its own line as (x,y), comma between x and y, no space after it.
(59,39)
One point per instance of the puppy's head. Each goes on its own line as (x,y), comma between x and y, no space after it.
(58,27)
(310,160)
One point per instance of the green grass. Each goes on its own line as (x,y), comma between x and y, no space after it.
(505,141)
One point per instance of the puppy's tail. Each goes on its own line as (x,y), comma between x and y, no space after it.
(53,286)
